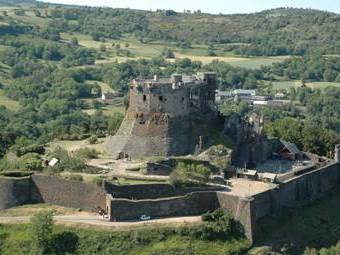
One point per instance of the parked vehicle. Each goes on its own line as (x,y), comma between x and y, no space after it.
(145,217)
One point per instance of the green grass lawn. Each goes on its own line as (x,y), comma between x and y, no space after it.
(317,225)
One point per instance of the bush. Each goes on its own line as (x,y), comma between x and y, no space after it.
(93,139)
(98,180)
(41,228)
(31,162)
(219,225)
(168,53)
(86,153)
(190,173)
(66,161)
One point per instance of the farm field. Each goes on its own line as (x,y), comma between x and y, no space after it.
(152,49)
(296,84)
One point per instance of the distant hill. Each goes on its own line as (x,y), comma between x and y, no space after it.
(276,32)
(14,2)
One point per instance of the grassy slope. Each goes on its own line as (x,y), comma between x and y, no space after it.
(317,225)
(28,210)
(145,241)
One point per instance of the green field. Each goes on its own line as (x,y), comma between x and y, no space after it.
(295,84)
(155,48)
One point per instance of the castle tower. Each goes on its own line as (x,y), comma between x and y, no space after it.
(166,116)
(337,153)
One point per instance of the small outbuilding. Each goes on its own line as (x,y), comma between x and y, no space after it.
(290,151)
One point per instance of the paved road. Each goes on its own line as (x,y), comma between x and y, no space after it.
(99,221)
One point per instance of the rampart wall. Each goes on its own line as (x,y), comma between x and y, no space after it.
(14,191)
(66,193)
(151,191)
(298,191)
(191,204)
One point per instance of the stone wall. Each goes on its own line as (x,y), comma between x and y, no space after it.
(252,153)
(150,191)
(14,191)
(195,203)
(66,193)
(301,190)
(242,209)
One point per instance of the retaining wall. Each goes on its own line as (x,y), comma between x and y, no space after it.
(66,193)
(151,191)
(302,190)
(14,191)
(191,204)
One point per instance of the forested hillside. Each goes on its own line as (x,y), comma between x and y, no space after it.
(55,60)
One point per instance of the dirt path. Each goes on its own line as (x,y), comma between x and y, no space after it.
(99,221)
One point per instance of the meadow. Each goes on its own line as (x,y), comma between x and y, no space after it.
(295,84)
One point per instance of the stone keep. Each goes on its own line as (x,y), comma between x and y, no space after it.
(166,116)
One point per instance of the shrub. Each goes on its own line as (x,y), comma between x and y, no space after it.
(219,225)
(93,139)
(168,53)
(98,180)
(86,153)
(66,161)
(31,162)
(41,228)
(190,174)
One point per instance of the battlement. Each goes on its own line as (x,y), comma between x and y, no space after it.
(176,81)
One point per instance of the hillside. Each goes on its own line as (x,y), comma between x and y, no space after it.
(278,32)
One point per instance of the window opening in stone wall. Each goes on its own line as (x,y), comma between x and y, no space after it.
(144,97)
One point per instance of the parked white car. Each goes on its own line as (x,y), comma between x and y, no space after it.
(145,217)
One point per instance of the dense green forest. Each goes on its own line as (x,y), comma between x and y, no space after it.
(49,75)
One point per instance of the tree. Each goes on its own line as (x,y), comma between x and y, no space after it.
(19,12)
(127,45)
(117,46)
(31,162)
(41,228)
(168,53)
(37,13)
(74,41)
(102,48)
